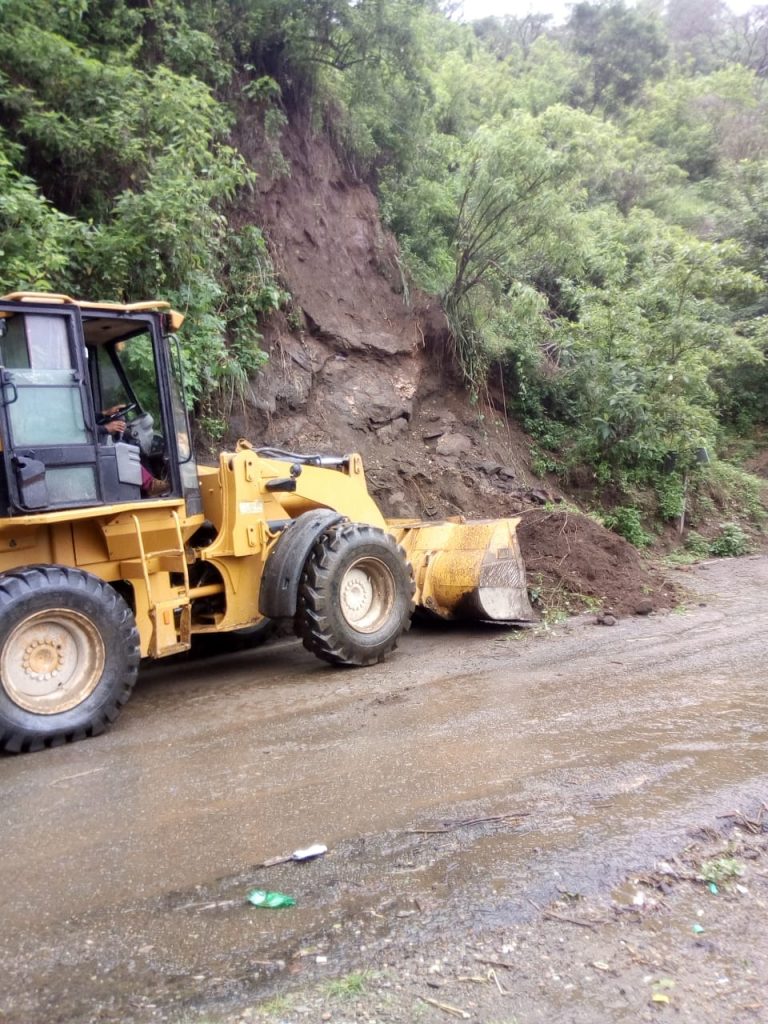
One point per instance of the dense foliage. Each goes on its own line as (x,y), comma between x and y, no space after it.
(590,200)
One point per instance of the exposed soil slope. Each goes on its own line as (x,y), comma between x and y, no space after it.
(363,364)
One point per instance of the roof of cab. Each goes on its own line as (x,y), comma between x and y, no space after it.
(153,306)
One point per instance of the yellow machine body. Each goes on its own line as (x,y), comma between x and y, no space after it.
(263,535)
(469,570)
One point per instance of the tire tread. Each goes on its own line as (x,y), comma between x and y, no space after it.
(314,616)
(15,587)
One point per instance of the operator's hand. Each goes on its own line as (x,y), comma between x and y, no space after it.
(116,426)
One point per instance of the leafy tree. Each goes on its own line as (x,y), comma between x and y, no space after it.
(594,217)
(704,123)
(135,171)
(625,50)
(35,239)
(696,30)
(510,36)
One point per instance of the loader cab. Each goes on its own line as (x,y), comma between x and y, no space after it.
(62,365)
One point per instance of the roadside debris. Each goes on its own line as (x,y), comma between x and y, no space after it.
(605,619)
(496,963)
(309,853)
(454,1011)
(754,825)
(271,900)
(553,915)
(492,975)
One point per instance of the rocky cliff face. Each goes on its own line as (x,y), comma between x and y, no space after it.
(362,364)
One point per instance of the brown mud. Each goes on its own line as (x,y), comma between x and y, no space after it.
(572,561)
(473,791)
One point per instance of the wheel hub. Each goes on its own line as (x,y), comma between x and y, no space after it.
(52,661)
(357,593)
(43,658)
(367,594)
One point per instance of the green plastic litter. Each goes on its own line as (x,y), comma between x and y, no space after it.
(713,888)
(697,929)
(271,900)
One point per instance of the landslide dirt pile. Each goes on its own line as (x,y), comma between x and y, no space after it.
(573,562)
(362,363)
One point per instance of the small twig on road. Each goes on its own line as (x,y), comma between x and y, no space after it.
(550,915)
(447,1008)
(496,963)
(209,905)
(449,826)
(492,974)
(77,775)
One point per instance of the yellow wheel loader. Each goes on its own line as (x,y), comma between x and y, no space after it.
(116,546)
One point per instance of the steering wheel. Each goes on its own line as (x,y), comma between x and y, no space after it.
(118,414)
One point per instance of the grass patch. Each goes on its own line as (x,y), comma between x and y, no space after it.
(349,986)
(721,869)
(732,490)
(276,1005)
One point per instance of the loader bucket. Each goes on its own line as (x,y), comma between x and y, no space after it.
(467,570)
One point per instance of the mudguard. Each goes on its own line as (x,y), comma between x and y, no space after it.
(285,562)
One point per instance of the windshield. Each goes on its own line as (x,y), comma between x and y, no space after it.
(128,375)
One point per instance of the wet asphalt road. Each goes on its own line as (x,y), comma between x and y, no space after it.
(125,859)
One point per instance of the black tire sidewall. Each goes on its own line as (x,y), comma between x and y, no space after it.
(321,623)
(106,609)
(401,606)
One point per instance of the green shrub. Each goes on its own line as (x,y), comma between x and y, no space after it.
(731,543)
(736,490)
(625,520)
(544,462)
(670,496)
(697,545)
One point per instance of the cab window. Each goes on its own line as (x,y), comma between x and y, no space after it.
(48,404)
(35,342)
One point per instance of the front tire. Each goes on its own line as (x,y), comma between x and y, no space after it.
(69,656)
(355,596)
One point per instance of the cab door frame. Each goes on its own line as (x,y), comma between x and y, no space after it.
(26,461)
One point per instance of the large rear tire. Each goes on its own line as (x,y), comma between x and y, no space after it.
(355,596)
(69,656)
